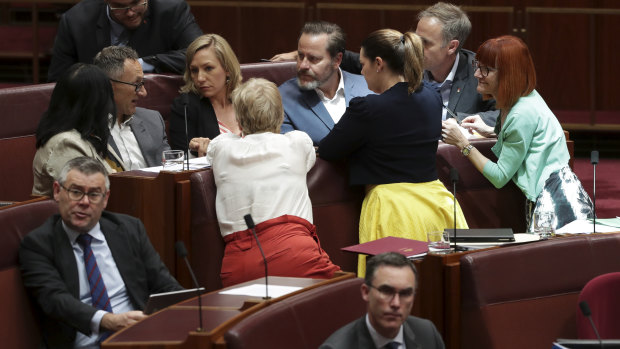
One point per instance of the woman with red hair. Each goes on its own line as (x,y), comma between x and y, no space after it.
(531,148)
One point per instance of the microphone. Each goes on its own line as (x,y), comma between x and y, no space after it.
(454,177)
(585,310)
(182,252)
(250,223)
(594,161)
(184,99)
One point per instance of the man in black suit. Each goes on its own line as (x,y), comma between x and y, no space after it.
(57,265)
(389,289)
(159,30)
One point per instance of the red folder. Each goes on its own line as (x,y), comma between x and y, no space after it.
(407,247)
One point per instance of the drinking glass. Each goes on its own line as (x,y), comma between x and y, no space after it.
(544,224)
(172,160)
(438,241)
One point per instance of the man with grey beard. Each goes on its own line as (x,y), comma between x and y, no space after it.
(315,100)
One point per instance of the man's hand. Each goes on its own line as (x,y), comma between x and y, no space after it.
(115,322)
(285,57)
(199,145)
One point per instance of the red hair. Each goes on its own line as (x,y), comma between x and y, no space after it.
(516,73)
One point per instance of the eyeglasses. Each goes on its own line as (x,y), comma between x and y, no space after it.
(77,195)
(387,293)
(135,7)
(484,70)
(137,85)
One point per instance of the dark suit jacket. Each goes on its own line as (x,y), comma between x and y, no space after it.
(304,111)
(388,138)
(201,120)
(418,334)
(464,98)
(168,28)
(49,271)
(150,131)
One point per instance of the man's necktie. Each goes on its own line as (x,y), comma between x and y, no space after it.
(392,345)
(97,287)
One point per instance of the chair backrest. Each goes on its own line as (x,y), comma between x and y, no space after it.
(603,296)
(524,296)
(303,321)
(18,325)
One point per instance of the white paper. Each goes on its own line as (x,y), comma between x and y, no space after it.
(584,227)
(258,290)
(194,164)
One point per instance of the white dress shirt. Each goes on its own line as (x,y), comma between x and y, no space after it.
(445,86)
(117,293)
(337,105)
(263,174)
(127,145)
(381,341)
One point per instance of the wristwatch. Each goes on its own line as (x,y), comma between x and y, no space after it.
(467,149)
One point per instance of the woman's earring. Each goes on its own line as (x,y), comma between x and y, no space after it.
(228,80)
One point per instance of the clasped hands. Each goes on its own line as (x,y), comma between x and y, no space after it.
(451,133)
(199,145)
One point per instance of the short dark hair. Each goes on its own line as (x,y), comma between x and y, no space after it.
(85,165)
(392,259)
(112,60)
(336,38)
(82,100)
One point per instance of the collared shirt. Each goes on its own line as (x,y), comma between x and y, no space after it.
(337,105)
(119,36)
(444,86)
(127,145)
(381,341)
(117,293)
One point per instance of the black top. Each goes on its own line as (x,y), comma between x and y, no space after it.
(389,138)
(201,120)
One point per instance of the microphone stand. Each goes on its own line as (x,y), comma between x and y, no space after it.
(250,223)
(182,252)
(594,160)
(454,177)
(186,133)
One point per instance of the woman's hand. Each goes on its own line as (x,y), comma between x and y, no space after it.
(452,134)
(474,123)
(199,145)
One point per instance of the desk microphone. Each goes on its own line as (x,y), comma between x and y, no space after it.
(184,99)
(585,310)
(182,252)
(454,177)
(250,223)
(594,161)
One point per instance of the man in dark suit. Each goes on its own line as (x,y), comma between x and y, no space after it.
(159,30)
(315,100)
(58,266)
(389,288)
(138,137)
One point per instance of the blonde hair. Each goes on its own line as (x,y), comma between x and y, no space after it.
(403,53)
(258,106)
(224,54)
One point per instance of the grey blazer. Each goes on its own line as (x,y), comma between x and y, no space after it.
(418,334)
(150,130)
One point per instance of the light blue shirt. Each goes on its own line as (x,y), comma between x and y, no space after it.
(115,286)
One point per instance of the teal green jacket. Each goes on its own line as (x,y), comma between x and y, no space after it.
(530,146)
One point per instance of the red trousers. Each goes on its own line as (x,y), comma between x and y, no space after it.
(291,248)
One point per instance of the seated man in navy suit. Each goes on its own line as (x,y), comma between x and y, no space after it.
(89,271)
(138,137)
(315,100)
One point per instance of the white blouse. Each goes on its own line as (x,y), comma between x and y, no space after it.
(262,174)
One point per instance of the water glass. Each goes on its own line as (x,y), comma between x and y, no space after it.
(438,241)
(544,224)
(172,160)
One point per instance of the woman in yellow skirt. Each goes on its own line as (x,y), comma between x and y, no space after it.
(390,140)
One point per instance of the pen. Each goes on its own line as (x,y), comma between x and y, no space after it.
(451,114)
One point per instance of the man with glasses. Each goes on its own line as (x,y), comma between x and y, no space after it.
(89,270)
(159,30)
(139,135)
(389,288)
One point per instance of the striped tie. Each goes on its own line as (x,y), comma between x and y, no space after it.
(97,287)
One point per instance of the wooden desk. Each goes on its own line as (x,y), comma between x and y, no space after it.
(162,201)
(174,327)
